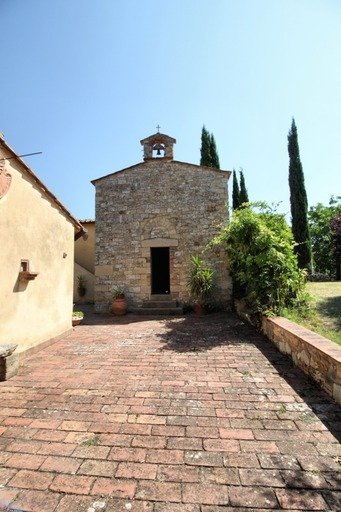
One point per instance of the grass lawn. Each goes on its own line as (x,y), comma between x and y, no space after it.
(325,314)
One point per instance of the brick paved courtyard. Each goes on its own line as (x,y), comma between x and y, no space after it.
(177,415)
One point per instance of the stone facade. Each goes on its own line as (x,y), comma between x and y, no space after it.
(158,203)
(36,255)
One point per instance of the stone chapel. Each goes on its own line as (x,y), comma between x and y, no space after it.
(150,219)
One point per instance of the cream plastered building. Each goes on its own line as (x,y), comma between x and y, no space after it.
(150,219)
(85,263)
(36,257)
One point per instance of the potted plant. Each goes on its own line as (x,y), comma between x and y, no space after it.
(77,317)
(200,282)
(119,304)
(81,286)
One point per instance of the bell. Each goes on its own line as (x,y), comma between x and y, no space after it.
(158,152)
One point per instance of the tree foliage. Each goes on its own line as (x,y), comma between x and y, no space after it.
(239,192)
(335,225)
(323,240)
(208,151)
(235,192)
(243,196)
(298,202)
(214,153)
(205,150)
(260,248)
(336,230)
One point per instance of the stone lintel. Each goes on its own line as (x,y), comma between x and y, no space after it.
(160,242)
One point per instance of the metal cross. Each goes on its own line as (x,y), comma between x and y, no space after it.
(158,128)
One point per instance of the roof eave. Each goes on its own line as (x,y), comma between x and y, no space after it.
(43,187)
(162,161)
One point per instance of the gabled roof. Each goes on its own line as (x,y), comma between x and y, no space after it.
(161,161)
(158,136)
(43,188)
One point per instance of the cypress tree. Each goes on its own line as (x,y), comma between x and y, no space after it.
(243,195)
(214,153)
(205,150)
(235,192)
(208,152)
(298,202)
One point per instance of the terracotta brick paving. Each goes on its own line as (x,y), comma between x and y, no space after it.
(177,415)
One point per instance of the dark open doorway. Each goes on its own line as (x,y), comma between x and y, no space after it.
(160,270)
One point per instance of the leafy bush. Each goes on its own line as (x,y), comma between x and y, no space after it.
(81,287)
(187,307)
(118,292)
(259,245)
(321,224)
(318,277)
(78,314)
(336,230)
(213,305)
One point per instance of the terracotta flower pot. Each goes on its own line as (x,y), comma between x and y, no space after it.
(76,321)
(199,309)
(119,306)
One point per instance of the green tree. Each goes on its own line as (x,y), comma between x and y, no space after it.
(336,229)
(298,202)
(205,150)
(260,247)
(235,192)
(214,153)
(243,196)
(208,151)
(320,218)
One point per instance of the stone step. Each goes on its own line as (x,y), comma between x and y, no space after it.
(157,311)
(159,304)
(161,296)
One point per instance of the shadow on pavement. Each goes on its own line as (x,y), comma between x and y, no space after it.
(93,318)
(193,334)
(201,334)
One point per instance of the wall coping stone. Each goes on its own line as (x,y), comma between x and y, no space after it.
(7,349)
(317,356)
(317,341)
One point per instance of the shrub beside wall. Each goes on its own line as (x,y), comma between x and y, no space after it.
(259,245)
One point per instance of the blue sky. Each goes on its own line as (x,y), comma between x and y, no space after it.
(84,81)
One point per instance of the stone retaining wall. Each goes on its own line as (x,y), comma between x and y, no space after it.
(317,356)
